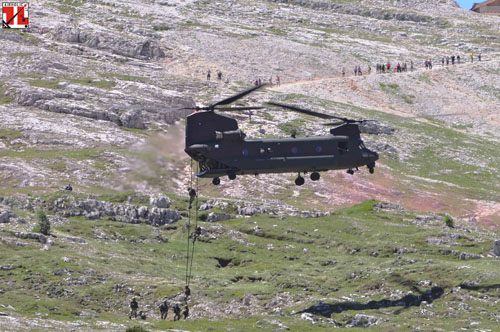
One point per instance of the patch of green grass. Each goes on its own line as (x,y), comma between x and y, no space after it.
(423,78)
(277,32)
(161,27)
(101,84)
(41,83)
(123,77)
(294,126)
(394,89)
(57,165)
(10,134)
(19,54)
(134,130)
(4,99)
(32,153)
(266,115)
(32,38)
(409,99)
(197,25)
(389,88)
(298,265)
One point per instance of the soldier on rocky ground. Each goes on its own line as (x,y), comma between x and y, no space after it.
(133,309)
(187,291)
(164,309)
(185,313)
(196,234)
(208,75)
(219,75)
(177,312)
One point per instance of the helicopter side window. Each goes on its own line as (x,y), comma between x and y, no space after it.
(262,151)
(319,149)
(244,152)
(342,146)
(295,150)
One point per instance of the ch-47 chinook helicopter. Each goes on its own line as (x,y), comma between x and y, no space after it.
(222,149)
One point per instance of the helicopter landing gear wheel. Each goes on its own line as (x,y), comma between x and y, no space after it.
(350,171)
(314,176)
(231,175)
(371,168)
(299,180)
(216,181)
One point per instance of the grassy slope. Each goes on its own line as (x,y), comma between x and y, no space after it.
(296,264)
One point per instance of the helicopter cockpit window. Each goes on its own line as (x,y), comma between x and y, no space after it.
(342,146)
(361,146)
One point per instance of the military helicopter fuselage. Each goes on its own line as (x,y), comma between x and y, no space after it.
(221,148)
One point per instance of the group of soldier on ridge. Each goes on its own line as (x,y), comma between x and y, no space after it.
(164,307)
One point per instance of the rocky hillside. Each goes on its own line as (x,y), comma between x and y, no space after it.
(90,96)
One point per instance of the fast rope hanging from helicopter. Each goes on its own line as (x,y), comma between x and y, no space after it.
(193,197)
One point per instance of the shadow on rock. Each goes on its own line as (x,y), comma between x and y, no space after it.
(410,300)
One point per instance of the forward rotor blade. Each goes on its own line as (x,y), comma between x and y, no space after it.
(329,124)
(239,108)
(195,108)
(234,98)
(305,111)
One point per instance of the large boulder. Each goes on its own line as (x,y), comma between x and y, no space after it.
(215,217)
(161,202)
(5,216)
(159,217)
(140,49)
(131,119)
(363,321)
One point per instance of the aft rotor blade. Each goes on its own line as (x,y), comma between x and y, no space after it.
(239,108)
(234,98)
(305,111)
